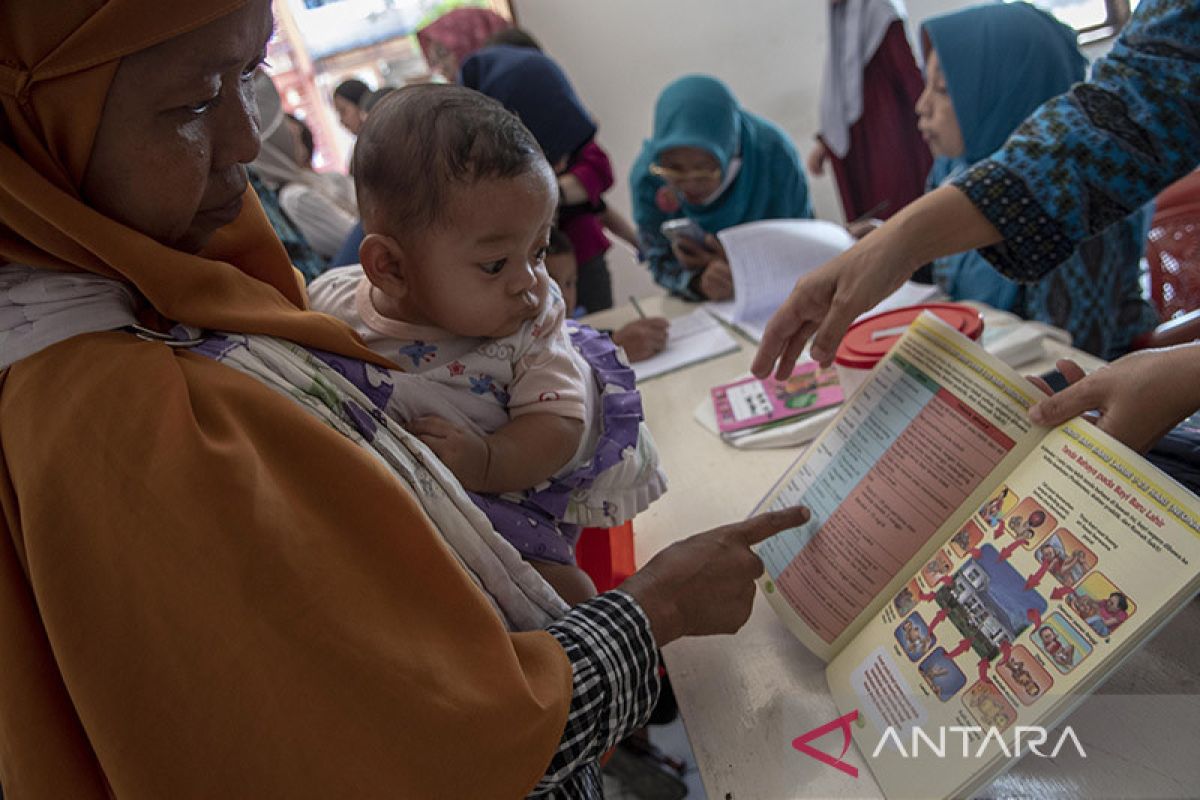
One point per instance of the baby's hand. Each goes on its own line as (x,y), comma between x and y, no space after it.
(465,453)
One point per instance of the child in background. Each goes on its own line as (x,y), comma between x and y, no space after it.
(639,339)
(544,428)
(564,269)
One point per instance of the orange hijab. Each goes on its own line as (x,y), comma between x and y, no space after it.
(204,592)
(56,64)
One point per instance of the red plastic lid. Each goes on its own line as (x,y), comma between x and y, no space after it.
(870,339)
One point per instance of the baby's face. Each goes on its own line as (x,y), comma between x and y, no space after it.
(480,271)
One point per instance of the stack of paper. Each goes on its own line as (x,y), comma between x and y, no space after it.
(768,257)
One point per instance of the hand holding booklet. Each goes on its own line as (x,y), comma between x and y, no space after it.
(965,570)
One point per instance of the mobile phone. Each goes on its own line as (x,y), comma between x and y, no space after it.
(1055,380)
(683,228)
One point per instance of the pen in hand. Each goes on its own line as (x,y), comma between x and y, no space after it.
(637,306)
(869,213)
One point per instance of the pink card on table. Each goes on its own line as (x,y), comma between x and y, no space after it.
(751,403)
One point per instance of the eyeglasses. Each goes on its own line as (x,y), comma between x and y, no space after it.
(680,176)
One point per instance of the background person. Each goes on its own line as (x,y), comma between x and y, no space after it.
(450,39)
(320,205)
(868,127)
(1081,162)
(346,99)
(718,165)
(988,68)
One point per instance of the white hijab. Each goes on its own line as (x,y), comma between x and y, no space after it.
(856,29)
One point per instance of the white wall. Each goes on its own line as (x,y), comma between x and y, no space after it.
(620,53)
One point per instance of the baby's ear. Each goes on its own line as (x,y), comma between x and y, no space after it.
(384,263)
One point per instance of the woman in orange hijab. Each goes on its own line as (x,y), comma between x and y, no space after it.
(224,572)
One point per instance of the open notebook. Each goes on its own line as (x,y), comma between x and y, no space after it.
(691,338)
(768,257)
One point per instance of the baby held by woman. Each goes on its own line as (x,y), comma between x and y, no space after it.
(539,421)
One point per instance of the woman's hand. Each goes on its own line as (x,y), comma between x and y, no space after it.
(824,302)
(827,300)
(691,254)
(817,158)
(716,282)
(704,585)
(1139,397)
(695,255)
(642,338)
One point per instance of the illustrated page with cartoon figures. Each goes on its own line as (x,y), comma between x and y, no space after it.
(929,435)
(1072,562)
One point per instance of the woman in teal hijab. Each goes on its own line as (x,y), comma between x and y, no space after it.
(718,165)
(987,68)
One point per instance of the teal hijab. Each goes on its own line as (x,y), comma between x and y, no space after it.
(700,111)
(1001,61)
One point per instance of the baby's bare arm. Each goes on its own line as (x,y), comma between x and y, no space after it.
(530,449)
(517,456)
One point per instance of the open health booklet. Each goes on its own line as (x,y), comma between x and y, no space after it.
(966,569)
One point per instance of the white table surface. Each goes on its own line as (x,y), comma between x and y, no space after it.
(744,698)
